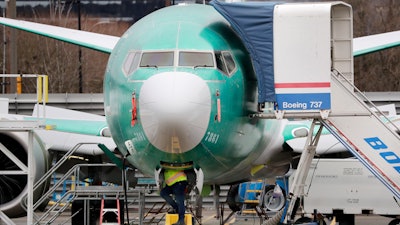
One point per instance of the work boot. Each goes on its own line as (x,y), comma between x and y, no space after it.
(180,222)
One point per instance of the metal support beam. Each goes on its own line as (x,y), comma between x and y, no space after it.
(141,207)
(6,219)
(15,160)
(297,188)
(31,179)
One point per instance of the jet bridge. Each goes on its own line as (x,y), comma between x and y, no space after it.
(313,79)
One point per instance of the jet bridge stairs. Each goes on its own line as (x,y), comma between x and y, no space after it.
(365,132)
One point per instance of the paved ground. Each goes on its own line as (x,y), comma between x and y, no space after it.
(210,219)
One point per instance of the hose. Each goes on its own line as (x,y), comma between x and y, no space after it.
(275,219)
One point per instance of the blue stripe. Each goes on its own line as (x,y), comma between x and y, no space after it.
(303,101)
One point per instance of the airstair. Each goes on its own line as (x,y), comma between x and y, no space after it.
(313,79)
(371,137)
(375,143)
(365,132)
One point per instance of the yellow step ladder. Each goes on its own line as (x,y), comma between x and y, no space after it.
(173,218)
(252,196)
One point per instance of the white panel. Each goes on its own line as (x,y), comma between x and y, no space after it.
(343,50)
(347,185)
(3,105)
(302,42)
(343,29)
(302,56)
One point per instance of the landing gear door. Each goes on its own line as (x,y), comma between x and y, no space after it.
(159,178)
(199,179)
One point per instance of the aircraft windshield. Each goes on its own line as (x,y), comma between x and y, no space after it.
(223,60)
(196,59)
(157,59)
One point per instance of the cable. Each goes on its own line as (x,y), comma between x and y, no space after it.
(125,188)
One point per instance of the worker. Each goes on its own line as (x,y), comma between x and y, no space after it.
(175,184)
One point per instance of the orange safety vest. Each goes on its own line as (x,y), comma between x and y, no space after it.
(174,176)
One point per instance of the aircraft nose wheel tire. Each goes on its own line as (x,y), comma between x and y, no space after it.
(232,198)
(303,220)
(271,202)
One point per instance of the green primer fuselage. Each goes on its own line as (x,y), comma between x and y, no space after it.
(230,145)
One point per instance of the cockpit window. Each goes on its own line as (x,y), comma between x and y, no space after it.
(220,62)
(225,62)
(196,59)
(230,63)
(131,62)
(157,59)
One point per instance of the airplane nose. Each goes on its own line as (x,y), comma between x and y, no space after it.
(174,110)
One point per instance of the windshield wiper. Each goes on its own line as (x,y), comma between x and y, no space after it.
(148,66)
(194,67)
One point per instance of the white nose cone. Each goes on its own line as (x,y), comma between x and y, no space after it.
(174,110)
